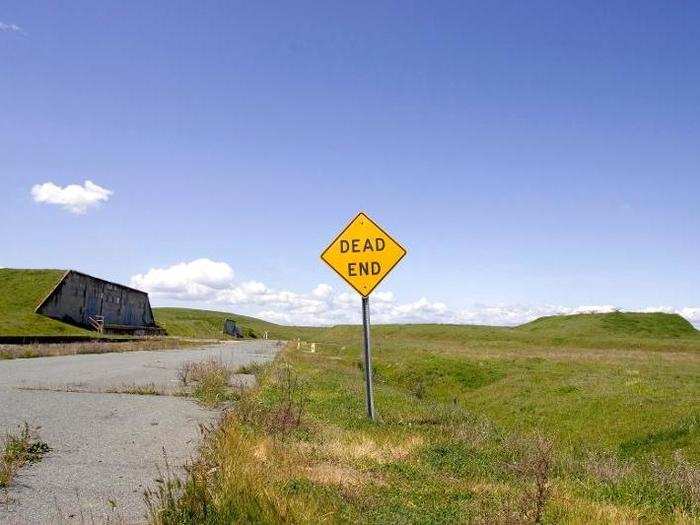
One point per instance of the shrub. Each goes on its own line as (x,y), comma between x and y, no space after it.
(287,414)
(17,451)
(607,468)
(210,378)
(682,479)
(535,467)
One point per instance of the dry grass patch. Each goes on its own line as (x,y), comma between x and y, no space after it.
(92,347)
(281,416)
(17,450)
(606,467)
(354,448)
(535,466)
(582,510)
(209,380)
(238,478)
(148,389)
(197,371)
(681,477)
(256,369)
(329,474)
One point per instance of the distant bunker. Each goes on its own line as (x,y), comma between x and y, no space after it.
(86,301)
(232,329)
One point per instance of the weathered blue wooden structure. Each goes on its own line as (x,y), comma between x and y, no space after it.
(232,329)
(94,303)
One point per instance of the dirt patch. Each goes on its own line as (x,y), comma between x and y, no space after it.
(328,474)
(367,448)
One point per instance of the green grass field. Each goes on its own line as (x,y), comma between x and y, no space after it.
(205,324)
(574,419)
(586,418)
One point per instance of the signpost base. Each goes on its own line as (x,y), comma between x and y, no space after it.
(368,358)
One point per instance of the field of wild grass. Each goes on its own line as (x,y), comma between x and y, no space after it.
(475,426)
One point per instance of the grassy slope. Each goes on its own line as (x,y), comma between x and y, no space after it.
(457,405)
(619,324)
(205,324)
(614,331)
(21,291)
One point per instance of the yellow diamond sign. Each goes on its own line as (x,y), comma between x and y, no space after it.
(363,254)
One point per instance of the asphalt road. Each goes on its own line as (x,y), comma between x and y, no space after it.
(106,448)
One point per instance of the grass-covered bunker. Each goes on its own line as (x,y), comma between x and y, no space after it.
(232,329)
(90,302)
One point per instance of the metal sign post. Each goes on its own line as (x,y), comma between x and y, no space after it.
(363,254)
(368,358)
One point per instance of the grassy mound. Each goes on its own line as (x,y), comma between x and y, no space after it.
(206,324)
(615,324)
(21,291)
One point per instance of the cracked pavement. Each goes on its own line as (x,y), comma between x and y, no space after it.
(106,448)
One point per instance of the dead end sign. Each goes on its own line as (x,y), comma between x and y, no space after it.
(363,254)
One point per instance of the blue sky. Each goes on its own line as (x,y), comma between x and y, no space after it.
(534,157)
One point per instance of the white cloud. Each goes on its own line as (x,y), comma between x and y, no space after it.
(691,314)
(385,297)
(322,291)
(208,284)
(599,309)
(73,198)
(197,280)
(10,28)
(514,314)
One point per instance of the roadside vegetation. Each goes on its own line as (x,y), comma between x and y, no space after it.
(93,347)
(213,383)
(208,381)
(476,425)
(17,450)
